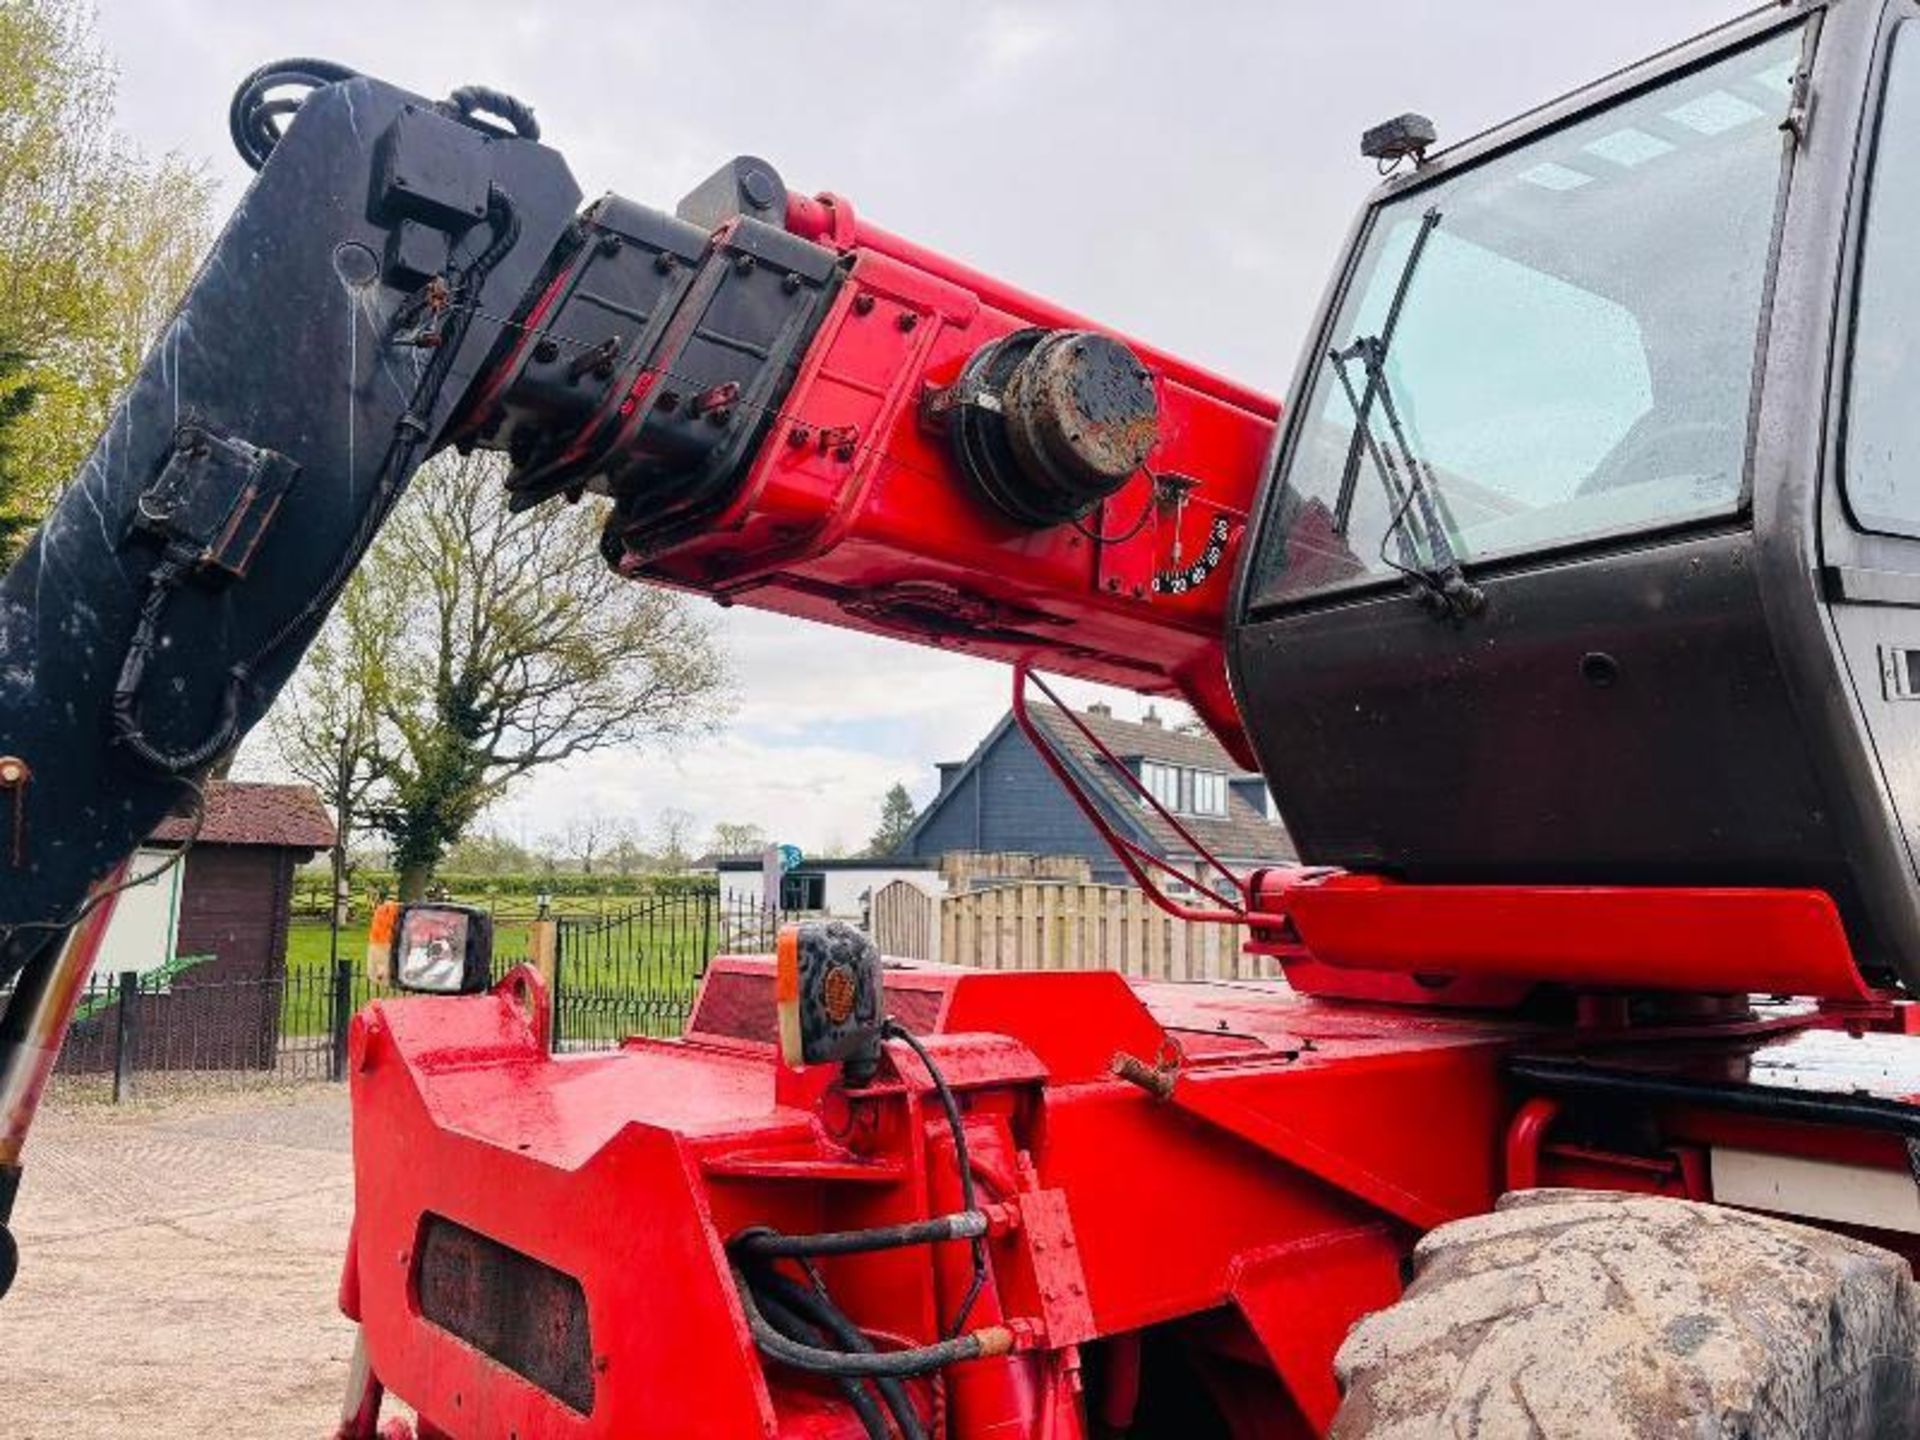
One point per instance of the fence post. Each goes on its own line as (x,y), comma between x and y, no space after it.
(559,974)
(339,1015)
(126,1034)
(708,900)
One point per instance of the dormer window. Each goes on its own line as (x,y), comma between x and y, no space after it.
(1186,791)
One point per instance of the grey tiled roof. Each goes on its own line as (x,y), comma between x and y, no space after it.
(1244,835)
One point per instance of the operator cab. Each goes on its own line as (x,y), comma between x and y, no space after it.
(1591,551)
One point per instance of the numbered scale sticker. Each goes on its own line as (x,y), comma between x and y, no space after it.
(1178,582)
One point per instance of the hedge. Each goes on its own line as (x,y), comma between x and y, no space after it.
(374,882)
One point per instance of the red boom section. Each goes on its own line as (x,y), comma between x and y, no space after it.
(854,513)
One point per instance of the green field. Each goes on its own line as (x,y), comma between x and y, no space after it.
(636,980)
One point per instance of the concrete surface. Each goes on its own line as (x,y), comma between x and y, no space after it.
(179,1259)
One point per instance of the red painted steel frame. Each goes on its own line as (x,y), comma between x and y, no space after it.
(1278,1180)
(880,531)
(1244,1221)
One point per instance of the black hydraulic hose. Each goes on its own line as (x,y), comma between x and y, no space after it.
(894,1030)
(471,100)
(251,115)
(773,1245)
(898,1364)
(818,1309)
(790,1323)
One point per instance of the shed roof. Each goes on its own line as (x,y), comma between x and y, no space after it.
(246,812)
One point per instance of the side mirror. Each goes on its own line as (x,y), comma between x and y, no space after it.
(443,949)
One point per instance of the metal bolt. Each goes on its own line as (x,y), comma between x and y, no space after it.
(907,320)
(669,402)
(863,304)
(610,245)
(798,435)
(664,263)
(546,352)
(790,282)
(742,264)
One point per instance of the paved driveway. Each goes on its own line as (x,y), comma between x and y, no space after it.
(179,1261)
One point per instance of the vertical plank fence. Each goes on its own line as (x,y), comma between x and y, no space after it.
(904,922)
(1086,926)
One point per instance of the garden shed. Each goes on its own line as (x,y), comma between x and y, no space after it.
(208,937)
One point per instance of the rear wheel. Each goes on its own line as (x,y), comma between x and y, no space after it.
(1590,1314)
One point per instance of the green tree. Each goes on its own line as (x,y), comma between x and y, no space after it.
(17,396)
(97,243)
(737,838)
(896,819)
(488,852)
(489,645)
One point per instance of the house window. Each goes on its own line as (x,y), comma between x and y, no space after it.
(1184,791)
(1162,782)
(803,890)
(1209,792)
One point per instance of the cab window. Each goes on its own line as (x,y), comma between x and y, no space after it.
(1882,435)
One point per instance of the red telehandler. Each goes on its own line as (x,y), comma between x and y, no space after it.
(1572,610)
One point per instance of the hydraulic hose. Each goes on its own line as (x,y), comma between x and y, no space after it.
(818,1310)
(898,1364)
(767,1244)
(789,1322)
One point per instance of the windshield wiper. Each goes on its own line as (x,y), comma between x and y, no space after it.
(1411,489)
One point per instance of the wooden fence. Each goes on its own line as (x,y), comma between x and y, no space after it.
(904,921)
(1060,927)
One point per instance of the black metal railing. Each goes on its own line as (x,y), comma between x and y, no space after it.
(620,973)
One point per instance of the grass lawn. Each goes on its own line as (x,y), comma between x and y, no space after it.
(635,980)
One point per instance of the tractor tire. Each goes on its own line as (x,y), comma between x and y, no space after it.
(1594,1314)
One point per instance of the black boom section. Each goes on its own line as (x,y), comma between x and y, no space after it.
(341,318)
(654,361)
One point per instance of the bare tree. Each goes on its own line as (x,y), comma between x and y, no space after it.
(673,835)
(625,853)
(584,837)
(489,645)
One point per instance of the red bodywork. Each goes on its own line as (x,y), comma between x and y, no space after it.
(1233,1230)
(854,515)
(540,1241)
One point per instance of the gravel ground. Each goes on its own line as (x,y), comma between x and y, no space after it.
(179,1259)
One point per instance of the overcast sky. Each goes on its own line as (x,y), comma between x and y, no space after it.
(1183,172)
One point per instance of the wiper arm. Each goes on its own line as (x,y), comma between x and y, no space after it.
(1440,582)
(1363,407)
(1437,575)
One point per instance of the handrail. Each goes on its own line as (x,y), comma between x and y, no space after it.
(1239,910)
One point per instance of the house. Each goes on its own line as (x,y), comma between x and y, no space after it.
(1004,798)
(208,936)
(839,888)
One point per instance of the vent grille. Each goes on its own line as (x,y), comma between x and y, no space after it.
(509,1306)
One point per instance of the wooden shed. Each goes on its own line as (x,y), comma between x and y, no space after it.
(211,946)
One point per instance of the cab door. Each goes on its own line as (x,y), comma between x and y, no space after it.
(1870,509)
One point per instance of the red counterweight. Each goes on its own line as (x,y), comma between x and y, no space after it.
(826,421)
